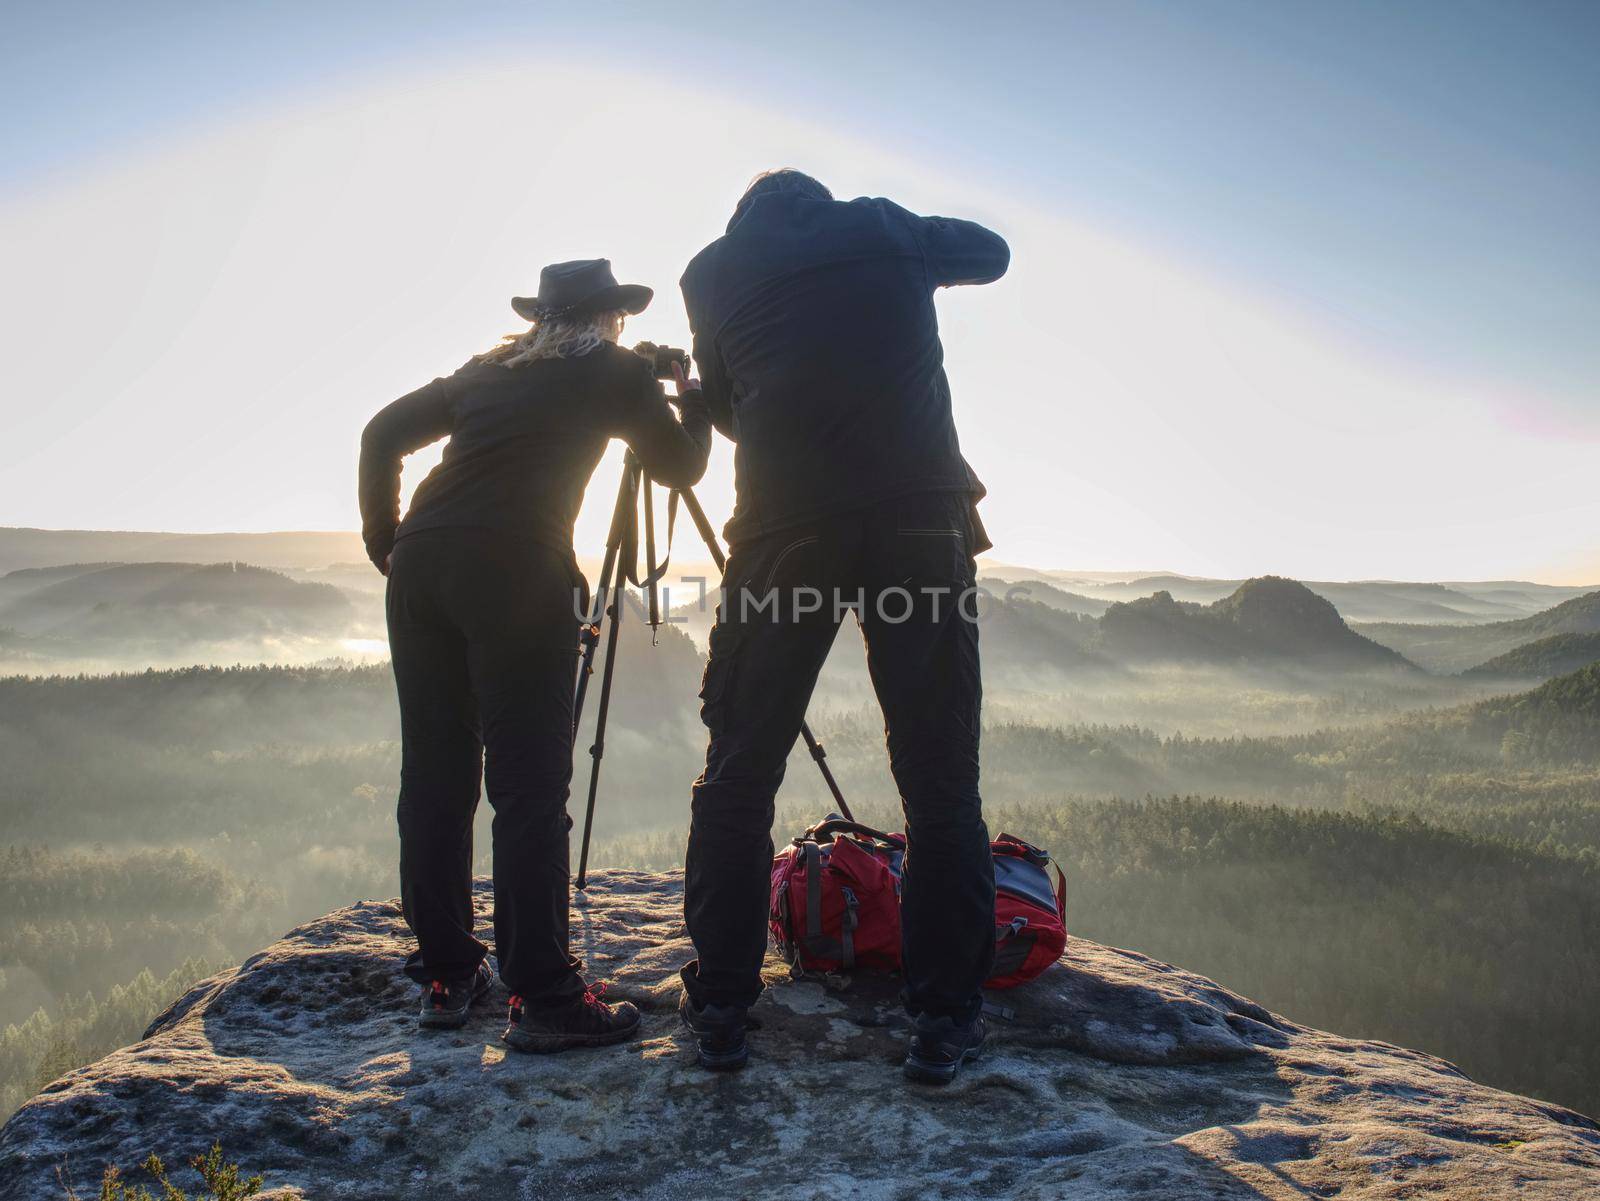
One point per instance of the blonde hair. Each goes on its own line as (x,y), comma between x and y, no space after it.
(557,338)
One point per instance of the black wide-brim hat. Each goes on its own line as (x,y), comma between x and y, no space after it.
(579,288)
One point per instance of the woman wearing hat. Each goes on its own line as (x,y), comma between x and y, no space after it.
(483,605)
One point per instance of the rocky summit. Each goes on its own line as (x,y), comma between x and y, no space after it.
(1117,1077)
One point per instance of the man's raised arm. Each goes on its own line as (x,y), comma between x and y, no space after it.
(962,252)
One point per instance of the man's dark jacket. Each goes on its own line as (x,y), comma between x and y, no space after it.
(816,338)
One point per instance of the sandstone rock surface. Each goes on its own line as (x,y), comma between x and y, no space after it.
(1120,1077)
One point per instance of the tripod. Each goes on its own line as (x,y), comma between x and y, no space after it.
(621,558)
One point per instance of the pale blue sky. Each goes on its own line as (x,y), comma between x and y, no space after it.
(1420,183)
(1428,173)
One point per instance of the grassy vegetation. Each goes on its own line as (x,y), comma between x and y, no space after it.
(219,1181)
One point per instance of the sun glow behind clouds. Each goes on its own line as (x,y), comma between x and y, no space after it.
(197,339)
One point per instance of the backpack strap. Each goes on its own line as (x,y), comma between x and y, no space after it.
(780,915)
(813,857)
(1010,844)
(816,942)
(842,948)
(848,929)
(840,825)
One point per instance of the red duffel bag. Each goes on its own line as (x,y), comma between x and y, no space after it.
(835,903)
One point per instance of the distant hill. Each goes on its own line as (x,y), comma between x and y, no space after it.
(14,584)
(1356,600)
(1386,600)
(1556,724)
(1020,636)
(166,602)
(1520,594)
(1180,587)
(1558,721)
(1574,695)
(1265,619)
(20,547)
(1033,588)
(1556,655)
(1456,648)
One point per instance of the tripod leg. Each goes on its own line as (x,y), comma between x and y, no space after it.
(709,537)
(821,756)
(590,637)
(598,750)
(650,557)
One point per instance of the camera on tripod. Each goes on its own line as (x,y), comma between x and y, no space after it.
(662,358)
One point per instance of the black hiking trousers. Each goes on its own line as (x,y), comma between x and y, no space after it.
(908,564)
(483,633)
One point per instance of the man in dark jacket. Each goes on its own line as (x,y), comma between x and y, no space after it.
(816,337)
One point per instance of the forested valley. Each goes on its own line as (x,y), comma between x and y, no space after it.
(1391,867)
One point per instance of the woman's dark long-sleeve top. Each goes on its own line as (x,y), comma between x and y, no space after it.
(524,441)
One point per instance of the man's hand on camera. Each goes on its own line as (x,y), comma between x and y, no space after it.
(685,383)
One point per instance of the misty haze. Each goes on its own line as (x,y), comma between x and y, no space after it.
(1341,798)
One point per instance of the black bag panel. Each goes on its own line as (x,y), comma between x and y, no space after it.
(1024,880)
(1011,951)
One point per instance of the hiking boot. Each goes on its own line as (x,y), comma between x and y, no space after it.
(585,1021)
(445,1002)
(719,1034)
(939,1046)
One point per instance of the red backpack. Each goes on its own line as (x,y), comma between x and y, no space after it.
(835,903)
(1030,917)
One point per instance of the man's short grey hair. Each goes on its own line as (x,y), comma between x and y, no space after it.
(780,180)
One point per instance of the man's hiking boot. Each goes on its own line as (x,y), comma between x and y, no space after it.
(445,1002)
(939,1046)
(586,1021)
(719,1034)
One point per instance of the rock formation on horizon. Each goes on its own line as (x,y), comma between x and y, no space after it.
(1264,620)
(1118,1077)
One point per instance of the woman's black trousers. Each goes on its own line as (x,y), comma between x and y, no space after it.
(483,631)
